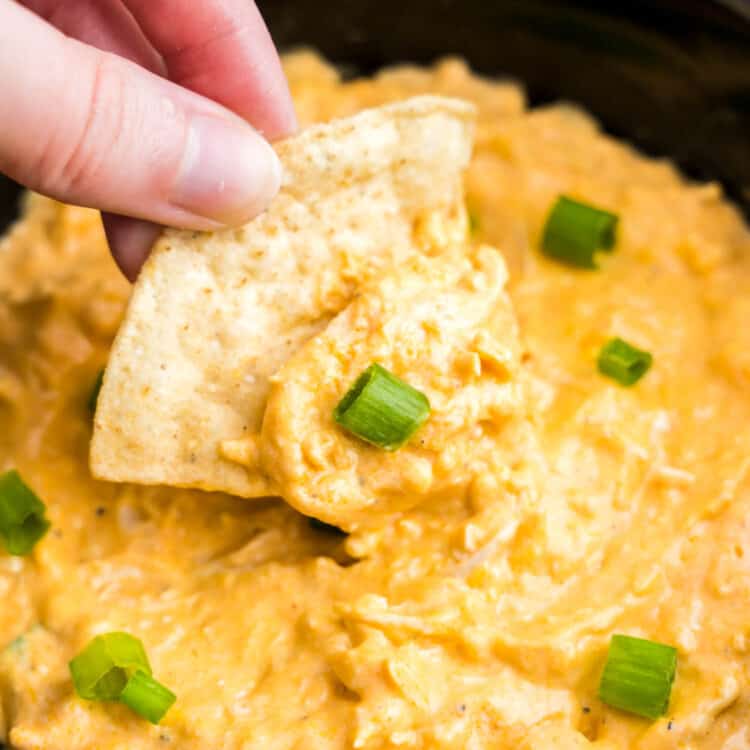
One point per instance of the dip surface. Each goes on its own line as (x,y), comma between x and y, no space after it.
(479,619)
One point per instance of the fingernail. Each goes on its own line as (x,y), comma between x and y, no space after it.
(229,173)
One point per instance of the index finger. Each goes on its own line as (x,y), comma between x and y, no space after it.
(221,49)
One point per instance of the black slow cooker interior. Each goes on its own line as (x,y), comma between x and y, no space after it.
(672,76)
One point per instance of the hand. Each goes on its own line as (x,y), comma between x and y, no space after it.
(153,109)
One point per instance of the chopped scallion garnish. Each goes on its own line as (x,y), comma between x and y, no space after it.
(103,668)
(638,676)
(147,697)
(575,231)
(623,362)
(382,409)
(114,667)
(95,388)
(22,519)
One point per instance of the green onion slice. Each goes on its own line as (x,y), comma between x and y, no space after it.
(114,667)
(101,671)
(638,676)
(623,362)
(94,395)
(147,697)
(22,520)
(382,409)
(575,231)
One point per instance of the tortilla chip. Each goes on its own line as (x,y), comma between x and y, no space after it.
(213,316)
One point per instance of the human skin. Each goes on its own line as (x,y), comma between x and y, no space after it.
(157,113)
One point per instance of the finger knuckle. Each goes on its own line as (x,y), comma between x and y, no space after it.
(70,163)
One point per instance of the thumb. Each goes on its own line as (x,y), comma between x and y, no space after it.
(92,128)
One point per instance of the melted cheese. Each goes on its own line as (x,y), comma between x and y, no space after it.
(446,324)
(479,619)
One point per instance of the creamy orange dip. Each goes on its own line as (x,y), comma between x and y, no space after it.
(479,618)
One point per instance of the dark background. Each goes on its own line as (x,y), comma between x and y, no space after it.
(671,76)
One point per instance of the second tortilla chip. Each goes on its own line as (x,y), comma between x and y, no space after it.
(213,316)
